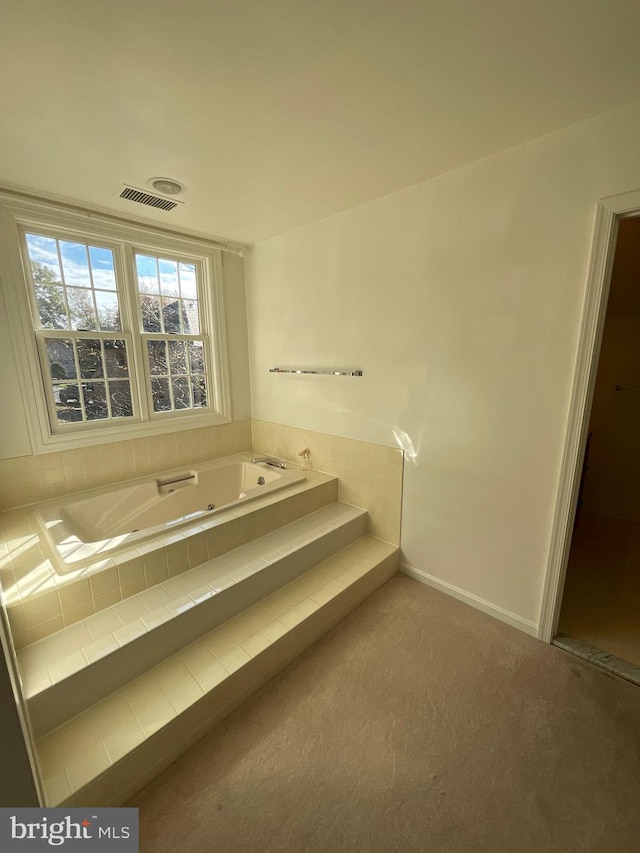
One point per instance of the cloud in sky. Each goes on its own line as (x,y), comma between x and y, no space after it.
(172,277)
(75,262)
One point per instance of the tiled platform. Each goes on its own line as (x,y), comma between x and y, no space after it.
(105,754)
(65,673)
(125,662)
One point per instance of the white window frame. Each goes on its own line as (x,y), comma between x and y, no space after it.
(20,215)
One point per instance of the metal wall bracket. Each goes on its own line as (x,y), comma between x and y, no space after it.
(319,371)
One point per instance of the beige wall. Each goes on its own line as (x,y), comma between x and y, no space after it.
(461,299)
(235,304)
(14,430)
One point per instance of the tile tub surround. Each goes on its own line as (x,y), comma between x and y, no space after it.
(370,474)
(40,601)
(31,479)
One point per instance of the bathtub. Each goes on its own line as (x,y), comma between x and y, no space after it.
(100,522)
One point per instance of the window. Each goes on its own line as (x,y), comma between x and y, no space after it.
(124,328)
(170,315)
(78,326)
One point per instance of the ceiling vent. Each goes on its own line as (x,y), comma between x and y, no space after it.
(143,197)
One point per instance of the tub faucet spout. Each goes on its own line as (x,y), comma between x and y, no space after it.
(270,460)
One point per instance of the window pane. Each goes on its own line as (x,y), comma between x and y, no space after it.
(181,392)
(196,356)
(121,405)
(81,310)
(75,266)
(171,316)
(102,268)
(95,400)
(67,401)
(191,317)
(199,391)
(108,311)
(188,287)
(147,274)
(62,363)
(157,354)
(93,356)
(70,301)
(90,358)
(115,356)
(161,395)
(184,362)
(150,309)
(51,307)
(43,259)
(178,357)
(168,278)
(176,283)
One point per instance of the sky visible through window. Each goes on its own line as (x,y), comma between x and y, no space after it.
(168,295)
(75,284)
(43,250)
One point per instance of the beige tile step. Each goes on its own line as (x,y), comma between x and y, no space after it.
(111,750)
(67,672)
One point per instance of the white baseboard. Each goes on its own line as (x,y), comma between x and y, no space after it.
(473,600)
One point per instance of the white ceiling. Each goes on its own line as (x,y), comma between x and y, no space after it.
(276,114)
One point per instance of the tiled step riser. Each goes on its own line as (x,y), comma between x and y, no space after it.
(138,768)
(134,571)
(83,750)
(66,699)
(54,659)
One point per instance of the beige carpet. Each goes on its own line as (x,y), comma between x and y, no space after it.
(417,724)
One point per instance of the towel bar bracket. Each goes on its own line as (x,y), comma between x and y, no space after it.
(318,371)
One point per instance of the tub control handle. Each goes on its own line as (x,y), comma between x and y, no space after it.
(180,481)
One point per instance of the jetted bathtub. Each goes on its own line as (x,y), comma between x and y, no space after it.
(98,523)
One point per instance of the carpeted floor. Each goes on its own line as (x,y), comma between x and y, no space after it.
(416,724)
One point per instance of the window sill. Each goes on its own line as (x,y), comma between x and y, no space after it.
(109,435)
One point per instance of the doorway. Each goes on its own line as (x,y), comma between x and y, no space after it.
(599,616)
